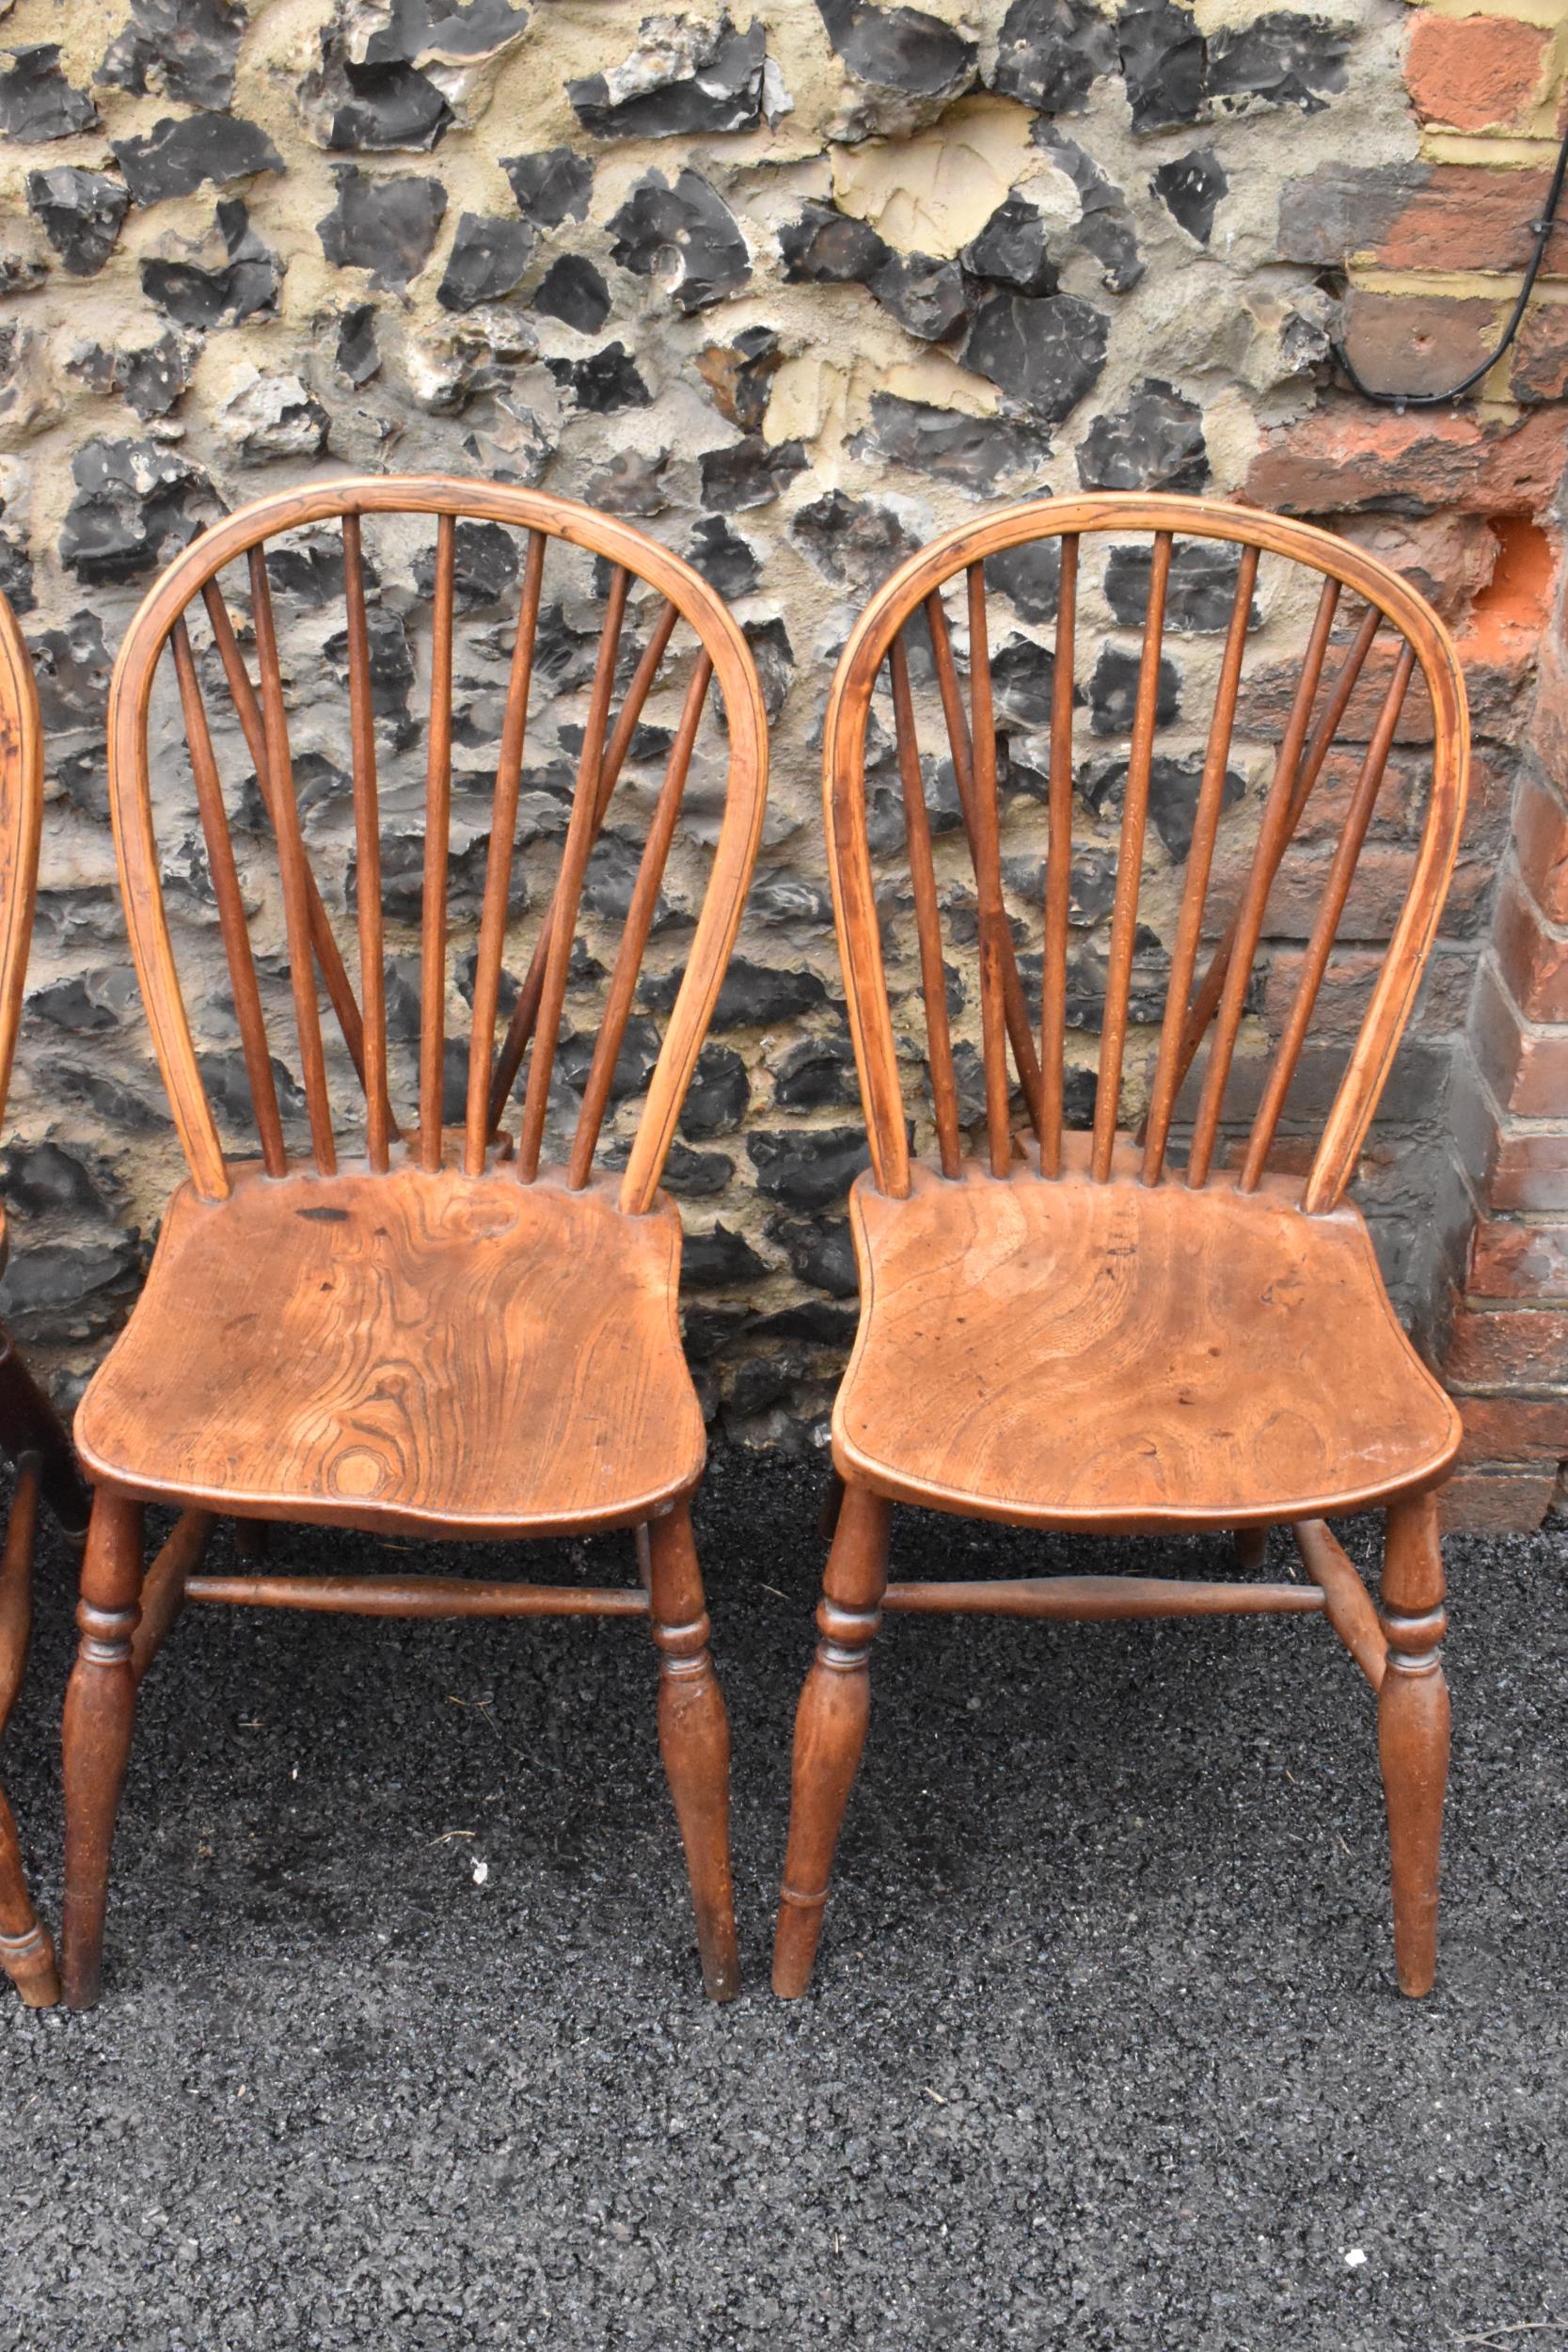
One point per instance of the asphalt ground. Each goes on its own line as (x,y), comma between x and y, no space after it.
(402,2043)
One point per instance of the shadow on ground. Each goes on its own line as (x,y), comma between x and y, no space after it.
(1103,2052)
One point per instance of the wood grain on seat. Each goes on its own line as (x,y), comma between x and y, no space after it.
(1070,1353)
(405,1351)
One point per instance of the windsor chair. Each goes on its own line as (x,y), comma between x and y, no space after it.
(447,1334)
(1061,1328)
(30,1430)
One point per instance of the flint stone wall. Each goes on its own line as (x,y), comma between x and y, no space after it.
(794,286)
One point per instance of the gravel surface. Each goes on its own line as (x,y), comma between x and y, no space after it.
(402,2043)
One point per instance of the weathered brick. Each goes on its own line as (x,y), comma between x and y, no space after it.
(1338,459)
(1496,1502)
(1538,366)
(1532,956)
(1525,1066)
(1475,73)
(1512,1260)
(1467,216)
(1529,1171)
(1450,558)
(1541,839)
(1527,1429)
(1416,341)
(1427,217)
(1548,730)
(1508,1348)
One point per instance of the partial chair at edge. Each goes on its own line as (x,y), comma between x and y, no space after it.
(420,1332)
(30,1430)
(1064,1330)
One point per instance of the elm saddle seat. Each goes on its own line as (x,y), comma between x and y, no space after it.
(417,1352)
(1068,1352)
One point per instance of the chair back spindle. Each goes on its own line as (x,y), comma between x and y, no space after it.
(1072,561)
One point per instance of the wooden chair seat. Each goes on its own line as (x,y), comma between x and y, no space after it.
(424,1353)
(1074,1354)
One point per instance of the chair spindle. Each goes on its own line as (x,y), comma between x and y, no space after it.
(988,878)
(379,1125)
(1272,837)
(498,866)
(1134,820)
(1019,1032)
(248,710)
(1200,857)
(293,867)
(927,916)
(520,1027)
(438,847)
(1058,867)
(1341,873)
(580,835)
(1211,986)
(634,934)
(230,906)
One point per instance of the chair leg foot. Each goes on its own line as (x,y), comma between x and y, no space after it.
(1413,1733)
(695,1741)
(100,1708)
(26,1954)
(830,1730)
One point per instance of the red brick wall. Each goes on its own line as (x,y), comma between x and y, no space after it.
(1469,499)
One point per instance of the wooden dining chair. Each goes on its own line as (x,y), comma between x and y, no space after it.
(375,1321)
(30,1429)
(1169,1319)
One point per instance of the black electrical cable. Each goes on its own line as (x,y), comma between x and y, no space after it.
(1542,227)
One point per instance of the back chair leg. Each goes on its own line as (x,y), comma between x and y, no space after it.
(27,1955)
(100,1706)
(829,1729)
(1412,1732)
(1251,1547)
(695,1741)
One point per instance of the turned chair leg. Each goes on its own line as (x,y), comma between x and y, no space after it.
(695,1741)
(1251,1547)
(27,1955)
(1412,1732)
(100,1706)
(829,1729)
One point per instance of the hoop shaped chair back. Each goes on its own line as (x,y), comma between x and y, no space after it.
(570,664)
(21,823)
(975,732)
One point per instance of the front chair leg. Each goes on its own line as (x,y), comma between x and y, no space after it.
(1412,1732)
(695,1741)
(100,1706)
(829,1729)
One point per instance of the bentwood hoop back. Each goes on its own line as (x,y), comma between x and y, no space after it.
(373,1320)
(1152,1308)
(30,1431)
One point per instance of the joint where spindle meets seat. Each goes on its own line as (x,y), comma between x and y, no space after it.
(422,1316)
(1120,1289)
